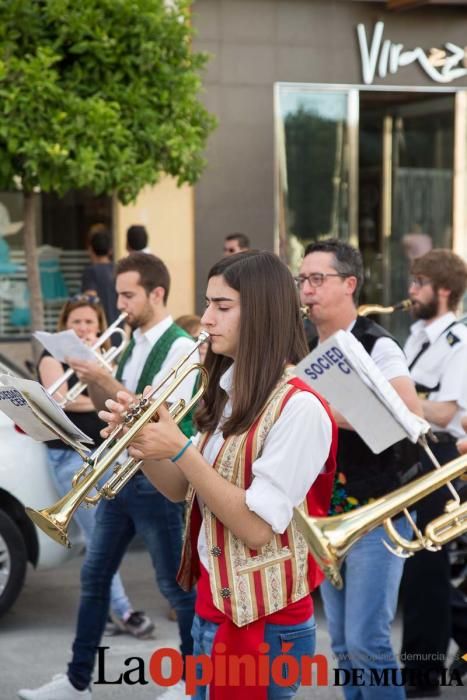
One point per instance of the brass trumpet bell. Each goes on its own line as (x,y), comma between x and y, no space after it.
(330,538)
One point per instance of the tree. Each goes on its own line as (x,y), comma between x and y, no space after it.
(100,94)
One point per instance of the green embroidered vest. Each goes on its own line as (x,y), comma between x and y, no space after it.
(153,365)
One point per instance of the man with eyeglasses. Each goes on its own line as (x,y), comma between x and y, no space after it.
(360,615)
(236,243)
(437,354)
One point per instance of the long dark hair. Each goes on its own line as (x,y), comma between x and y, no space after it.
(271,335)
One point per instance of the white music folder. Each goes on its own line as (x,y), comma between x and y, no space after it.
(28,405)
(343,373)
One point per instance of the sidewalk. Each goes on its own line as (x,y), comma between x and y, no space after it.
(35,637)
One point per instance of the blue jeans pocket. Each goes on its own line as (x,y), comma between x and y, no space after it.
(299,641)
(143,486)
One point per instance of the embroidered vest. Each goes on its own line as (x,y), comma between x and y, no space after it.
(153,365)
(249,584)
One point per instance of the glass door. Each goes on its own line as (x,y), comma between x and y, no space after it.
(405,189)
(316,172)
(375,168)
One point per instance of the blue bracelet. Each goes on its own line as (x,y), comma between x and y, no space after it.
(179,454)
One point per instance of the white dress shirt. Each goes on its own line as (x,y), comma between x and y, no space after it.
(294,453)
(388,357)
(144,343)
(444,363)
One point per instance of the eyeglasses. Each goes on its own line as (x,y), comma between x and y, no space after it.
(230,250)
(88,298)
(419,282)
(316,279)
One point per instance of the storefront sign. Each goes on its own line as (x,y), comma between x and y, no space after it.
(380,57)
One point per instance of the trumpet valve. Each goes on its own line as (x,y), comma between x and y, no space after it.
(451,506)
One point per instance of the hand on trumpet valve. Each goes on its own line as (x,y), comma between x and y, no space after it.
(156,440)
(117,411)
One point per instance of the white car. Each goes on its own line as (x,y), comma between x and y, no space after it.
(25,481)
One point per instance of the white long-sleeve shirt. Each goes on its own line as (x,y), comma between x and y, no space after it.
(294,453)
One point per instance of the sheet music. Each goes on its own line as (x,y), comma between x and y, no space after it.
(65,344)
(15,406)
(28,404)
(341,370)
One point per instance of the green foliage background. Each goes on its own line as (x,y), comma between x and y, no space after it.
(100,94)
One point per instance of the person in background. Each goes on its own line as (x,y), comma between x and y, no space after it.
(361,614)
(250,466)
(156,346)
(137,239)
(191,323)
(84,314)
(236,243)
(98,277)
(436,351)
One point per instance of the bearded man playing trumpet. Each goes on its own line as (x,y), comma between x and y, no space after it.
(157,344)
(85,315)
(360,615)
(437,354)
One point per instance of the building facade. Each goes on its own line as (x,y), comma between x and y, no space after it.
(335,118)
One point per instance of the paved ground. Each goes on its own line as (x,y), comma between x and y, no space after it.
(35,636)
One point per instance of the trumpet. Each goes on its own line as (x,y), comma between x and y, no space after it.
(54,521)
(104,359)
(369,309)
(330,538)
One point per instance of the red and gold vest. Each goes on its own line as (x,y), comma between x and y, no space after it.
(249,584)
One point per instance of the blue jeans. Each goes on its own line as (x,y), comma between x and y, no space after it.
(302,636)
(63,465)
(360,615)
(138,509)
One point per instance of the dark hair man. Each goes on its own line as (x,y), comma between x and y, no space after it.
(137,239)
(437,354)
(142,283)
(360,615)
(236,243)
(98,277)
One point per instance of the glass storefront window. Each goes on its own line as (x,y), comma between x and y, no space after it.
(313,168)
(374,167)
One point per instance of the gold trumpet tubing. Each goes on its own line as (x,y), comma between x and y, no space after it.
(406,547)
(202,338)
(147,414)
(63,510)
(330,538)
(448,526)
(54,521)
(369,309)
(128,469)
(123,473)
